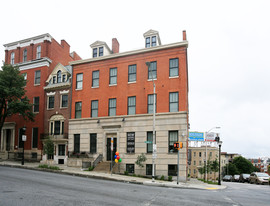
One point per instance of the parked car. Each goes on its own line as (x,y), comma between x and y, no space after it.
(227,178)
(235,178)
(259,178)
(244,178)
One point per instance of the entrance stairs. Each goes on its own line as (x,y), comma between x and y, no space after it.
(103,167)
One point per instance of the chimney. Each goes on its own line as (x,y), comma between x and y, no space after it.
(115,46)
(65,45)
(184,35)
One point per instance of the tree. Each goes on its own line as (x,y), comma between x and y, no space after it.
(12,95)
(243,165)
(215,167)
(49,148)
(140,159)
(232,169)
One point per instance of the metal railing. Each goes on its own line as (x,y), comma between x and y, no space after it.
(97,160)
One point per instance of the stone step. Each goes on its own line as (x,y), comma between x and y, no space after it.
(103,167)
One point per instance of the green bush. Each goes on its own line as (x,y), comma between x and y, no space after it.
(162,177)
(170,178)
(126,173)
(91,168)
(49,167)
(43,166)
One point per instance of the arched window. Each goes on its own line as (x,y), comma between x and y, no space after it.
(25,55)
(12,57)
(59,76)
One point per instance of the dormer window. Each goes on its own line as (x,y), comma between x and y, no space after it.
(59,77)
(100,51)
(38,52)
(64,78)
(94,52)
(151,38)
(54,79)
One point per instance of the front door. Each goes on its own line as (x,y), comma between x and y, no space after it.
(109,152)
(8,139)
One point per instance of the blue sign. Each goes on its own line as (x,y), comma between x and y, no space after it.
(196,136)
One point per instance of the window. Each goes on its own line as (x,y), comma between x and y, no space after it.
(194,162)
(148,169)
(132,69)
(94,52)
(113,76)
(200,162)
(152,70)
(51,102)
(24,76)
(76,143)
(174,67)
(78,109)
(37,77)
(130,142)
(194,154)
(25,55)
(173,101)
(61,150)
(131,105)
(38,52)
(200,154)
(130,168)
(63,124)
(95,79)
(173,137)
(64,77)
(150,103)
(147,42)
(57,127)
(194,171)
(94,108)
(12,58)
(149,146)
(210,154)
(64,102)
(100,51)
(35,137)
(93,143)
(79,81)
(172,170)
(154,40)
(54,80)
(36,104)
(112,107)
(59,76)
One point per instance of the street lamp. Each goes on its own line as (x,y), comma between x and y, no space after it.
(148,64)
(217,139)
(23,140)
(205,162)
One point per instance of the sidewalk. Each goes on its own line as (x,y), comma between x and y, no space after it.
(191,184)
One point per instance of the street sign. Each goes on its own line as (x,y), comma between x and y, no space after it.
(148,142)
(154,148)
(24,138)
(154,155)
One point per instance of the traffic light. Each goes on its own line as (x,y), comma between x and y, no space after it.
(178,145)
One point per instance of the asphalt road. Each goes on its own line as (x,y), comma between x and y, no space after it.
(28,187)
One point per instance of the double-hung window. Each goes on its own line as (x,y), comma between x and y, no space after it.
(149,148)
(51,102)
(112,107)
(25,55)
(93,143)
(59,76)
(94,52)
(174,101)
(131,105)
(76,143)
(154,40)
(173,137)
(174,67)
(12,58)
(147,42)
(79,81)
(38,52)
(37,77)
(100,51)
(132,69)
(152,70)
(113,76)
(94,108)
(64,102)
(95,79)
(78,109)
(35,137)
(36,104)
(150,103)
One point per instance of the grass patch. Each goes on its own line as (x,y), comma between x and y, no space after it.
(45,166)
(208,182)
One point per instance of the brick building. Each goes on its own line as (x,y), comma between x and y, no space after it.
(36,58)
(112,97)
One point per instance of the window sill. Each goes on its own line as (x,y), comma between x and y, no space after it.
(36,85)
(50,108)
(149,80)
(95,87)
(132,82)
(175,77)
(112,85)
(63,107)
(78,89)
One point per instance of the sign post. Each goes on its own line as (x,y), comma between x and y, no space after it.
(111,153)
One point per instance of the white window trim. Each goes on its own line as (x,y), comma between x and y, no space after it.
(48,102)
(61,101)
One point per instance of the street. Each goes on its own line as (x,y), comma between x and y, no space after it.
(30,187)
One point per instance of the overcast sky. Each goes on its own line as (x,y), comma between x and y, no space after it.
(228,54)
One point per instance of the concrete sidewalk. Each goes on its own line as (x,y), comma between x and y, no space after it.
(191,184)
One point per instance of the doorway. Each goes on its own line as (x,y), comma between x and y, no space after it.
(110,155)
(8,139)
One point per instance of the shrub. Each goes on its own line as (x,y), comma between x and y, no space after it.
(49,167)
(126,173)
(162,177)
(43,166)
(170,178)
(91,168)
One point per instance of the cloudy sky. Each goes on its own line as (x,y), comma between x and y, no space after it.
(229,52)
